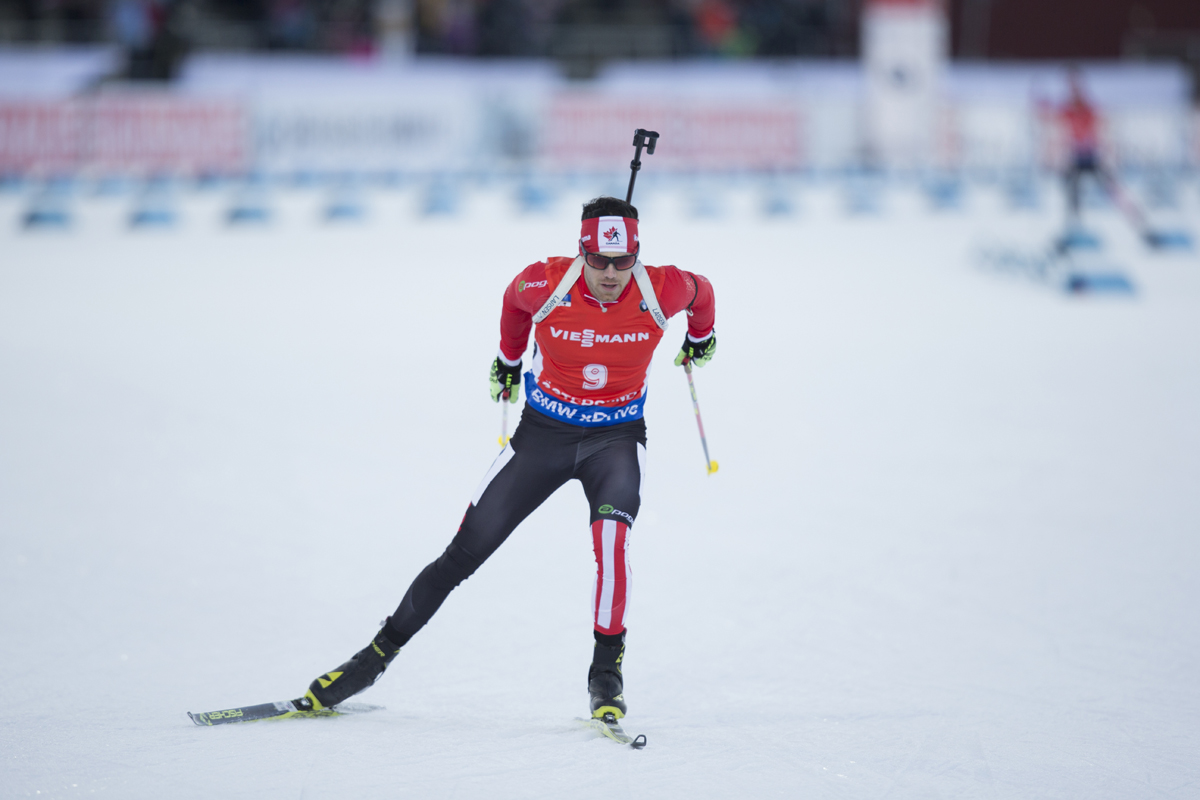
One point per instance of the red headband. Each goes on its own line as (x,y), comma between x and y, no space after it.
(609,235)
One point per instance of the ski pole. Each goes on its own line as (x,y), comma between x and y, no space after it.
(1135,216)
(712,465)
(640,137)
(1127,206)
(504,418)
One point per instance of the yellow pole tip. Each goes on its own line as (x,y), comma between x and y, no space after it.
(713,467)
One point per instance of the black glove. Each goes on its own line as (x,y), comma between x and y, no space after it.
(698,353)
(505,379)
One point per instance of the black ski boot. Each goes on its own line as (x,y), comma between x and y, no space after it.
(605,684)
(362,670)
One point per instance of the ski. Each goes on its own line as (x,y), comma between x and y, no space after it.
(609,726)
(282,709)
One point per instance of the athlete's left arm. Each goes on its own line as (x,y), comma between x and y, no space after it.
(687,291)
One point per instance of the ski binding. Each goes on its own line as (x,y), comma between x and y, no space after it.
(609,726)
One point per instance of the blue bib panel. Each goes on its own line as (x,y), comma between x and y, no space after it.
(583,416)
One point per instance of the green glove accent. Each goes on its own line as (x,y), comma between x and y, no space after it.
(505,379)
(698,353)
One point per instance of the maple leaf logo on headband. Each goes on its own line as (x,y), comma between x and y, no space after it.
(612,235)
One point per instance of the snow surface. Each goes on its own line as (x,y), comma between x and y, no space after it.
(951,550)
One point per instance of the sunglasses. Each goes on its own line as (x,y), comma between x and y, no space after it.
(619,263)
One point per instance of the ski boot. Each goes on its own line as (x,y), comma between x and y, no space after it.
(362,670)
(605,683)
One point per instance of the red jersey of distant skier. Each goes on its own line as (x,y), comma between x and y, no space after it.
(1079,118)
(592,359)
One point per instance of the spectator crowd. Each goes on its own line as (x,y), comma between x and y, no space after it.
(486,28)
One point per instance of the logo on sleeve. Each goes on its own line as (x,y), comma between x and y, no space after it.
(523,285)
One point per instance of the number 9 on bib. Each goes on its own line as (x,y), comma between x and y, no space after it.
(595,376)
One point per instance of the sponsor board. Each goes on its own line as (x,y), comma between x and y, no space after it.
(421,132)
(319,115)
(123,133)
(717,133)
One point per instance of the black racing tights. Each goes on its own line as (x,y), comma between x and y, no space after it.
(542,455)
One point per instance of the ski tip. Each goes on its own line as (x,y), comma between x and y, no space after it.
(638,742)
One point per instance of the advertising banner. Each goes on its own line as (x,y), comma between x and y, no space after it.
(594,131)
(413,132)
(164,133)
(38,135)
(902,107)
(123,134)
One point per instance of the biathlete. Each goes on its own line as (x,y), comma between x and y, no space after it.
(597,319)
(1079,119)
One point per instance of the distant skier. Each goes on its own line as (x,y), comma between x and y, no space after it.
(1081,123)
(599,317)
(1079,119)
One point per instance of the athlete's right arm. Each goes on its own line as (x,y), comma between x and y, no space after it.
(524,296)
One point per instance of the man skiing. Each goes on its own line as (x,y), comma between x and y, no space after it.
(1081,123)
(599,317)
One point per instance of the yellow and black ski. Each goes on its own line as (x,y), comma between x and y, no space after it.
(609,726)
(283,709)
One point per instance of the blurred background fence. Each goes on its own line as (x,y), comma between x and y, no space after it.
(777,86)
